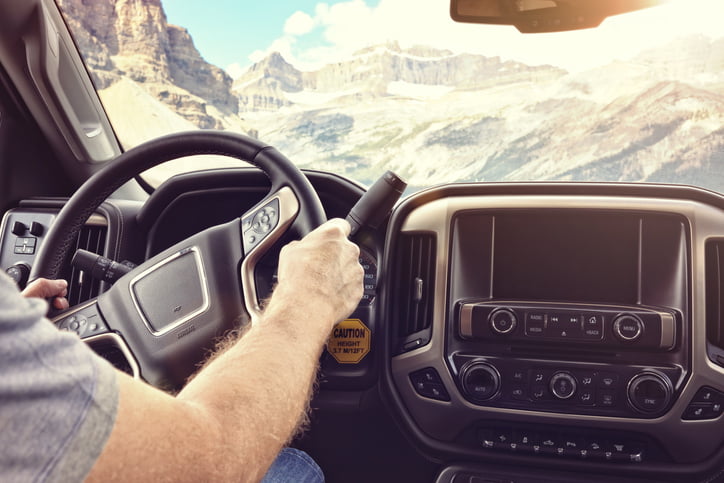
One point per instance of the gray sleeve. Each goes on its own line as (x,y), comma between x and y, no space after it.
(58,399)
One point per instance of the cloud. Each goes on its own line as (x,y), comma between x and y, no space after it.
(299,23)
(235,70)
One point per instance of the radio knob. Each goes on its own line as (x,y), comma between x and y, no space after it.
(628,328)
(480,381)
(503,321)
(563,385)
(649,392)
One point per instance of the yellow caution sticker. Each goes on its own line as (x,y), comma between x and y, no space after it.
(349,342)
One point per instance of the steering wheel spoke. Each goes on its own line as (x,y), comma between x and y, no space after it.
(262,227)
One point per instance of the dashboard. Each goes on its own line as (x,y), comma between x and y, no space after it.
(535,327)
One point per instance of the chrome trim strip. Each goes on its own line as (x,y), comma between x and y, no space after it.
(121,344)
(204,291)
(466,320)
(288,210)
(668,330)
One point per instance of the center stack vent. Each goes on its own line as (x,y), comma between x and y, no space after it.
(414,282)
(715,300)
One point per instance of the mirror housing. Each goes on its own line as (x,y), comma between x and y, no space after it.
(537,16)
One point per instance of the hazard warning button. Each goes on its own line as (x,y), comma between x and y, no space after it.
(349,342)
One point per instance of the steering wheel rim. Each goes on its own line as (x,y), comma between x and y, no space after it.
(61,236)
(168,312)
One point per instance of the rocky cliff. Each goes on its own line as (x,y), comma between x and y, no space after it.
(132,38)
(273,82)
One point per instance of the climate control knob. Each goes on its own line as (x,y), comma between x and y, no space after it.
(649,392)
(480,381)
(563,385)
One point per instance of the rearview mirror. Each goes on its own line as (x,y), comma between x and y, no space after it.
(533,16)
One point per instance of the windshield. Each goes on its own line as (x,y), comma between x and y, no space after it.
(358,87)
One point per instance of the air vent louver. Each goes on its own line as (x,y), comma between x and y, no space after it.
(715,300)
(414,281)
(81,287)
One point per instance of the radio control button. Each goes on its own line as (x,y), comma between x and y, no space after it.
(503,321)
(593,326)
(563,385)
(628,328)
(535,323)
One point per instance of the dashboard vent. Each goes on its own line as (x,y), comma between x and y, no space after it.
(715,300)
(415,281)
(81,287)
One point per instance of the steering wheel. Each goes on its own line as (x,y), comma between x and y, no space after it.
(166,313)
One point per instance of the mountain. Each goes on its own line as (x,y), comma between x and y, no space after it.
(378,71)
(432,115)
(438,117)
(131,39)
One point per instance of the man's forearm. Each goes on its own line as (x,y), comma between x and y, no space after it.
(231,420)
(267,378)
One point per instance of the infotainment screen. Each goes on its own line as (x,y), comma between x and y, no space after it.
(591,257)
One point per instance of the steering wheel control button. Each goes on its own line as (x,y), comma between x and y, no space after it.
(480,381)
(427,383)
(649,392)
(563,385)
(503,321)
(84,322)
(628,328)
(706,404)
(257,226)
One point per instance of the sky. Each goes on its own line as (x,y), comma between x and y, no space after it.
(232,34)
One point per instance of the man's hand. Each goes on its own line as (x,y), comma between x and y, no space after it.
(321,273)
(46,289)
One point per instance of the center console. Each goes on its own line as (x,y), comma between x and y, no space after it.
(527,328)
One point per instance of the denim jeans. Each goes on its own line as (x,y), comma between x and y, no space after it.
(293,465)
